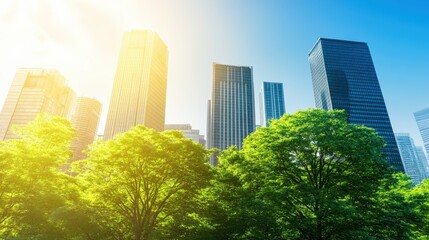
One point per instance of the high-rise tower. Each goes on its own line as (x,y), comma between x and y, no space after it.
(188,132)
(423,159)
(422,119)
(34,91)
(271,102)
(413,164)
(232,108)
(140,86)
(85,120)
(344,77)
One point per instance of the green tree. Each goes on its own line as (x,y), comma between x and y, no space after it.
(420,197)
(318,172)
(143,178)
(32,184)
(393,213)
(230,208)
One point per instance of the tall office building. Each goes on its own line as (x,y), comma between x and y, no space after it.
(344,77)
(140,86)
(34,91)
(423,159)
(232,109)
(85,120)
(271,102)
(422,119)
(209,126)
(188,132)
(412,163)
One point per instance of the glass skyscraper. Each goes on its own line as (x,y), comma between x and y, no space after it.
(34,91)
(422,119)
(188,132)
(271,102)
(85,120)
(423,159)
(412,163)
(140,86)
(231,114)
(344,77)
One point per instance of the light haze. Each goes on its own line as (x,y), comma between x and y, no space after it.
(82,38)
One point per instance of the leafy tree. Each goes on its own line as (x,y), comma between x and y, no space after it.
(318,172)
(143,178)
(32,185)
(231,208)
(420,197)
(393,213)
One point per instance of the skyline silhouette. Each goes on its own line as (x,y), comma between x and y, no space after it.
(82,41)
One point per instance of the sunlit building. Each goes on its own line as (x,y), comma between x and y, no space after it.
(85,120)
(231,115)
(344,77)
(139,90)
(412,163)
(34,91)
(188,132)
(271,102)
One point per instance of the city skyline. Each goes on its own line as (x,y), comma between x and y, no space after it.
(86,47)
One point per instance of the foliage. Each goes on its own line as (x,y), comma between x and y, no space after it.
(32,185)
(393,212)
(419,196)
(142,178)
(316,174)
(309,175)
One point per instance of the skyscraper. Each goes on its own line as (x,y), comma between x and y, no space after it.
(34,91)
(188,132)
(423,159)
(422,119)
(231,110)
(85,120)
(412,163)
(271,102)
(344,77)
(139,89)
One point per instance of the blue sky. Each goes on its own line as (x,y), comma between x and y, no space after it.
(81,38)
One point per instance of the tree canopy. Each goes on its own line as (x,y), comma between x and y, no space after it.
(319,176)
(309,175)
(143,177)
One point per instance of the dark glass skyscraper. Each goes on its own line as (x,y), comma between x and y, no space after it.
(344,77)
(272,102)
(231,109)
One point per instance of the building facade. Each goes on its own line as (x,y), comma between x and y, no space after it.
(412,162)
(85,119)
(140,86)
(344,77)
(34,91)
(423,159)
(232,108)
(271,102)
(422,119)
(188,132)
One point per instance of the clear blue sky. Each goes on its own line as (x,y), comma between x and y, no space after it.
(81,38)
